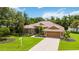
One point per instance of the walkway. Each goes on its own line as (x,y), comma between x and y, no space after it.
(48,44)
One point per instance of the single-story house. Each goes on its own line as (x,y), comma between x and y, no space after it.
(50,29)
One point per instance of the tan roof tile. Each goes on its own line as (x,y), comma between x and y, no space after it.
(47,24)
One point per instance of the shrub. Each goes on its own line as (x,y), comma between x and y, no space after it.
(74,32)
(15,34)
(6,40)
(4,31)
(2,38)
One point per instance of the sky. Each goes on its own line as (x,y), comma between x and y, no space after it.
(47,12)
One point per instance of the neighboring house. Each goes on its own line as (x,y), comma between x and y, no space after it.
(73,29)
(50,29)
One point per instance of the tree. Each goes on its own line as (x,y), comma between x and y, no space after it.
(76,17)
(32,21)
(20,23)
(64,22)
(70,19)
(52,18)
(75,24)
(35,20)
(26,19)
(7,13)
(39,19)
(12,19)
(58,21)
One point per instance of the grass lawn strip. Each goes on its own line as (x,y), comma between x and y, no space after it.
(65,45)
(27,43)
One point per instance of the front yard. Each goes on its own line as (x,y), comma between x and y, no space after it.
(18,45)
(65,45)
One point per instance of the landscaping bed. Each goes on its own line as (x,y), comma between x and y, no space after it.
(6,40)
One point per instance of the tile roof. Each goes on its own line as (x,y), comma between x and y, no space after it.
(47,24)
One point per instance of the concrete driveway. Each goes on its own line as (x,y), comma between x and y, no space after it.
(48,44)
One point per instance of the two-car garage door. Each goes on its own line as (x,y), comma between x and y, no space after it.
(53,34)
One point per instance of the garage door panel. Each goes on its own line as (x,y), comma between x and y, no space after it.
(53,34)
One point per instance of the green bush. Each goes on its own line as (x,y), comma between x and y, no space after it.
(15,34)
(4,31)
(74,32)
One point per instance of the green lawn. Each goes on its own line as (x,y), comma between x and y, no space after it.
(65,45)
(27,43)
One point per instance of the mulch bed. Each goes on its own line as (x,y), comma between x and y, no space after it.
(6,40)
